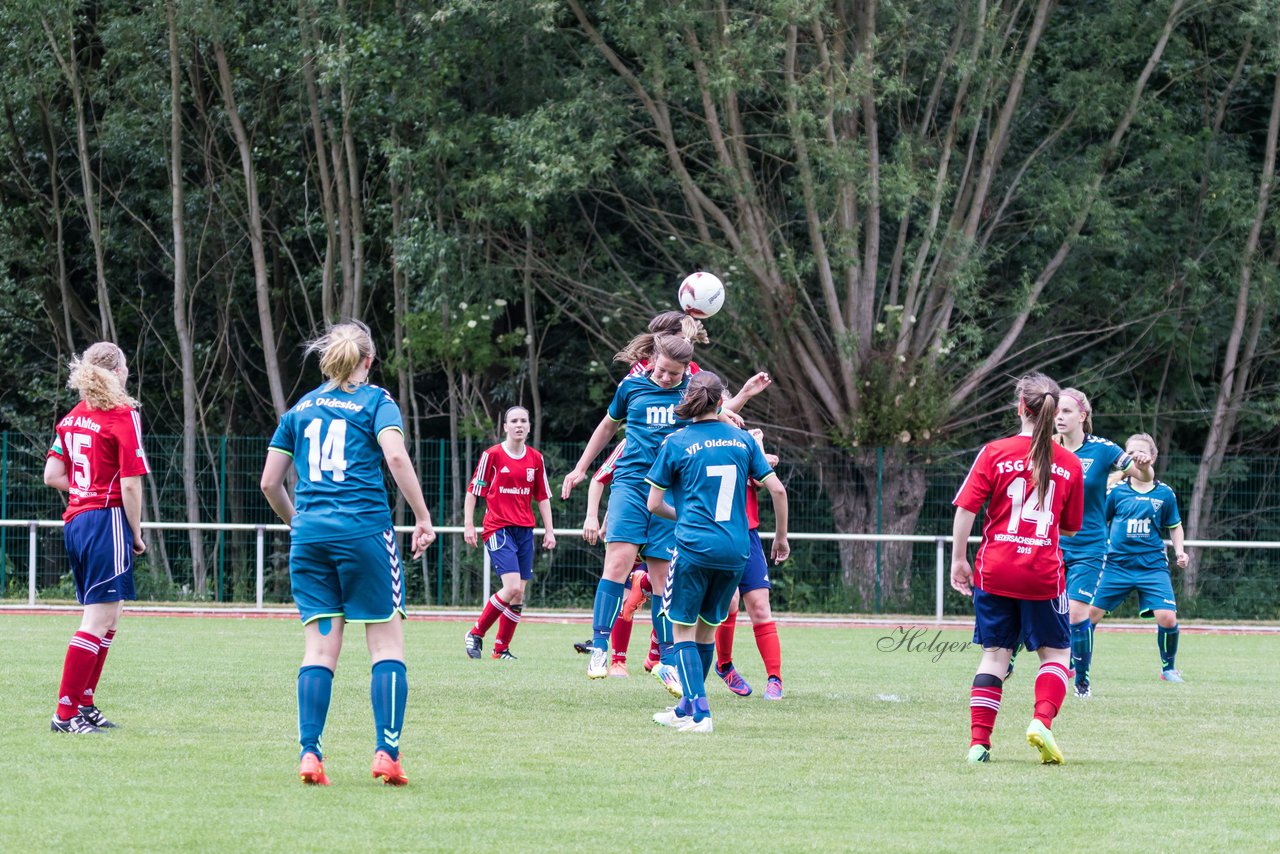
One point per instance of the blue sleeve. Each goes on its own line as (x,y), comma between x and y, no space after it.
(1120,461)
(1172,518)
(661,473)
(1111,505)
(386,414)
(758,467)
(618,406)
(283,438)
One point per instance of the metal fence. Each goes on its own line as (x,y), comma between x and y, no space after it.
(1236,583)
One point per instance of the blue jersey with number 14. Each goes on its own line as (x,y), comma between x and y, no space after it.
(332,436)
(706,466)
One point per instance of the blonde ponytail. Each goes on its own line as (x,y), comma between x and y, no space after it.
(342,348)
(93,375)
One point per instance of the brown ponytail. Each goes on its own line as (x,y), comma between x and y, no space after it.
(1038,395)
(638,349)
(703,396)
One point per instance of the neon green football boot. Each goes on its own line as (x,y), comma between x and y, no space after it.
(1039,737)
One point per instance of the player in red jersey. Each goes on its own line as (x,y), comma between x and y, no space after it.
(1034,490)
(97,459)
(753,591)
(508,476)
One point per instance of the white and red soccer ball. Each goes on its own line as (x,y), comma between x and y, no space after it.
(701,295)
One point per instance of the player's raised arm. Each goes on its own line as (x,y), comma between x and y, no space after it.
(602,436)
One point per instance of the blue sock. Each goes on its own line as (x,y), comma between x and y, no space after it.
(707,654)
(388,689)
(1082,648)
(605,611)
(1168,642)
(662,629)
(315,688)
(689,662)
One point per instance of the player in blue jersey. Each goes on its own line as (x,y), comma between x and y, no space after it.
(1137,559)
(1085,553)
(705,467)
(646,403)
(344,564)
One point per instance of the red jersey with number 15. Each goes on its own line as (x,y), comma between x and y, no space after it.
(509,485)
(98,447)
(1019,555)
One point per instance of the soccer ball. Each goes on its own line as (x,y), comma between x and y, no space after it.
(701,295)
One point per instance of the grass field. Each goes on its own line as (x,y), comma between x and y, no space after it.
(867,750)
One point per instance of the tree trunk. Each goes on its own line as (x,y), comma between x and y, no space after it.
(71,69)
(1232,388)
(327,300)
(271,360)
(186,347)
(874,491)
(535,395)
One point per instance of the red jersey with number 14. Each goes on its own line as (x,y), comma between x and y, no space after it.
(98,447)
(509,485)
(1019,555)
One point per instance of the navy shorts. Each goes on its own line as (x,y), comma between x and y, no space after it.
(360,580)
(100,548)
(1002,621)
(699,593)
(755,576)
(511,550)
(628,520)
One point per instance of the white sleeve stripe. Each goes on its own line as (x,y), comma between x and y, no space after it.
(137,430)
(478,477)
(969,475)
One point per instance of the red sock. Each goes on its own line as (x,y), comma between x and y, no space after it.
(724,640)
(82,658)
(489,616)
(655,651)
(620,639)
(507,626)
(86,698)
(1051,688)
(770,649)
(984,705)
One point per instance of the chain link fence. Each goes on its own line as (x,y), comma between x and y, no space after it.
(870,491)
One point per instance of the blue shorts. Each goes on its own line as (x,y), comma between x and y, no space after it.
(628,520)
(699,593)
(1001,622)
(1082,578)
(100,548)
(360,580)
(511,550)
(755,576)
(1154,586)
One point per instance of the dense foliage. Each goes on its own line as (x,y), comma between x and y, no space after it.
(910,201)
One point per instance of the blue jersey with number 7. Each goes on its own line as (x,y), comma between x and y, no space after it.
(705,467)
(332,436)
